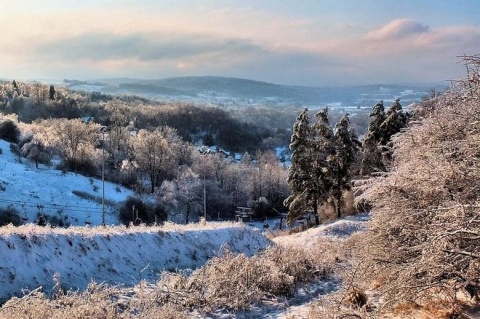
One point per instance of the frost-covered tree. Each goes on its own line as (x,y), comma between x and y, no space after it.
(346,147)
(188,192)
(299,177)
(74,140)
(35,151)
(117,141)
(372,157)
(321,164)
(424,237)
(154,154)
(394,122)
(375,144)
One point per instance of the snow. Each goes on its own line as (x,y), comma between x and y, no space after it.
(32,256)
(338,229)
(51,192)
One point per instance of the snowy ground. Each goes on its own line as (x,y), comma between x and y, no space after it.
(31,256)
(341,228)
(298,306)
(54,193)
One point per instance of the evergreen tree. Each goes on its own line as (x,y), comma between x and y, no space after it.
(376,151)
(321,163)
(323,150)
(395,120)
(299,178)
(372,157)
(346,148)
(51,93)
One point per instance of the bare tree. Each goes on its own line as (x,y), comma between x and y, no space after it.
(74,140)
(155,153)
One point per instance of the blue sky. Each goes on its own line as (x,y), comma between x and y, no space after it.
(315,43)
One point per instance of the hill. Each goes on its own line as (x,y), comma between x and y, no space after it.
(63,198)
(236,91)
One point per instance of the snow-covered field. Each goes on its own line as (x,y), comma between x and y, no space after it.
(33,256)
(51,192)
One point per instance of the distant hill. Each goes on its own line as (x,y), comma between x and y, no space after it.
(236,91)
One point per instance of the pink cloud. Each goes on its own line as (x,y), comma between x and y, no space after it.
(398,29)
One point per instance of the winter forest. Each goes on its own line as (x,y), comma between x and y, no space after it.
(171,152)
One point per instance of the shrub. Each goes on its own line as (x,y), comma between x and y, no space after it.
(9,131)
(424,236)
(15,149)
(10,215)
(134,206)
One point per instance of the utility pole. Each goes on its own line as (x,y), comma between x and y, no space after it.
(204,200)
(103,129)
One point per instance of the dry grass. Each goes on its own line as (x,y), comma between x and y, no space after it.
(228,282)
(98,301)
(33,229)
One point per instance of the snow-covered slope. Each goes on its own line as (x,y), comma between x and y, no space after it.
(338,229)
(51,192)
(31,255)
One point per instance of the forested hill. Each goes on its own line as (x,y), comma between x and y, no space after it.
(234,91)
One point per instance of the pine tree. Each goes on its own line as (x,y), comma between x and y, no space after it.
(372,157)
(51,93)
(346,148)
(299,177)
(321,163)
(323,149)
(376,150)
(395,120)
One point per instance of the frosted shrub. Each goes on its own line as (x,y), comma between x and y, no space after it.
(424,238)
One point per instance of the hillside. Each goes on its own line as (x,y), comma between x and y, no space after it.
(68,198)
(236,91)
(43,257)
(33,255)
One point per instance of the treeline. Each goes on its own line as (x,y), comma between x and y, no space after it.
(326,159)
(215,125)
(178,179)
(147,146)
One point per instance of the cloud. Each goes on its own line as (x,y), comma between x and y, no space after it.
(143,47)
(230,41)
(398,29)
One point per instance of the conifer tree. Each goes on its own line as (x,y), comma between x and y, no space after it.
(346,147)
(372,157)
(321,163)
(376,150)
(51,93)
(324,149)
(395,120)
(299,177)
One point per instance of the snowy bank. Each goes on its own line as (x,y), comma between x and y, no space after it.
(31,255)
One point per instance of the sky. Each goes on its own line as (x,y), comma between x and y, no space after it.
(309,42)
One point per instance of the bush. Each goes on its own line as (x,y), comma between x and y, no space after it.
(424,236)
(146,212)
(10,215)
(9,131)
